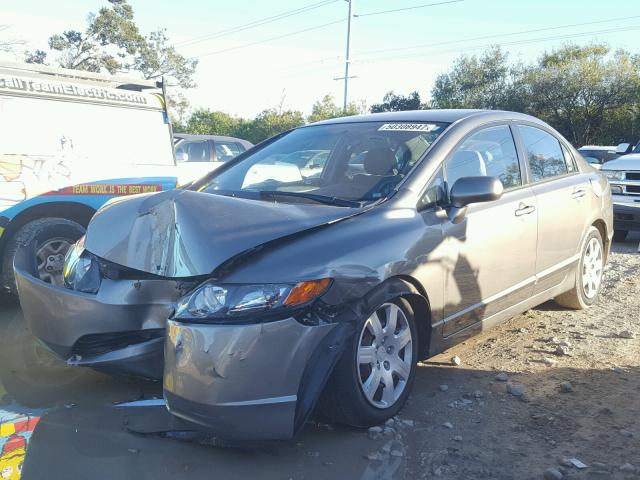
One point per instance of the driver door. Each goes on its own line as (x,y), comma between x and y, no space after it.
(492,252)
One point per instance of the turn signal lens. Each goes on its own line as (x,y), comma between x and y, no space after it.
(304,292)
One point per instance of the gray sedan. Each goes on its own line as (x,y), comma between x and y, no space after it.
(278,285)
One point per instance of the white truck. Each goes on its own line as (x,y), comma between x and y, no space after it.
(71,141)
(624,177)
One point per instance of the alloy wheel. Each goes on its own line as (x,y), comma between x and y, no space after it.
(50,259)
(384,356)
(592,266)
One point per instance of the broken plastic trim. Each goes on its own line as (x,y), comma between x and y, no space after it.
(98,343)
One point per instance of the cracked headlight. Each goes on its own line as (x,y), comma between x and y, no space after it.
(614,174)
(81,270)
(211,300)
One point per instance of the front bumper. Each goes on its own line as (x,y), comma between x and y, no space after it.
(626,216)
(120,329)
(249,382)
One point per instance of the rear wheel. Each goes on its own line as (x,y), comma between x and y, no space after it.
(375,374)
(588,278)
(54,237)
(620,235)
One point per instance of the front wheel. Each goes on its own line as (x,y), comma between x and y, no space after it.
(375,374)
(588,278)
(53,237)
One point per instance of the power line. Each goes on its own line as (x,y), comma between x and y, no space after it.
(499,35)
(255,23)
(407,8)
(463,40)
(260,42)
(505,44)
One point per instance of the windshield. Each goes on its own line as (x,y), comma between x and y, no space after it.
(355,162)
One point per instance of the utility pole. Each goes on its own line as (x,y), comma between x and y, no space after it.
(347,59)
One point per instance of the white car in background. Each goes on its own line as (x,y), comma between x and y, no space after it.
(624,176)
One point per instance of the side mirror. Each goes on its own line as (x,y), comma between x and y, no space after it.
(469,190)
(182,157)
(623,148)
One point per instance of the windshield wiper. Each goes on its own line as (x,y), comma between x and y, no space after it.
(340,202)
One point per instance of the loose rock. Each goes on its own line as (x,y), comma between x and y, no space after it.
(456,360)
(552,474)
(478,394)
(443,388)
(502,377)
(566,387)
(515,389)
(562,350)
(396,453)
(629,468)
(626,334)
(447,425)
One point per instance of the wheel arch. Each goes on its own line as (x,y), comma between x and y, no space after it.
(74,211)
(410,289)
(602,228)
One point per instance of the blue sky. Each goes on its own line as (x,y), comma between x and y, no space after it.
(301,68)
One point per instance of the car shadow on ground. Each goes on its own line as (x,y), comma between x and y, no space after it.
(458,433)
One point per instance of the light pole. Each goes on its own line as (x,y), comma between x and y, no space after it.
(347,59)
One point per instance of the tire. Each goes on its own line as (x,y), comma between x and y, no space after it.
(344,401)
(620,235)
(42,230)
(578,298)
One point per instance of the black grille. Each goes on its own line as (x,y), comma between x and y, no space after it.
(633,175)
(633,188)
(99,343)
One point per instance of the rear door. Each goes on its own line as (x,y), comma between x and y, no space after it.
(561,193)
(492,252)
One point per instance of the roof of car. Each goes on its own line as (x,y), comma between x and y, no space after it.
(220,138)
(446,116)
(596,147)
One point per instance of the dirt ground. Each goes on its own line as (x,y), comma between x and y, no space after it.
(578,372)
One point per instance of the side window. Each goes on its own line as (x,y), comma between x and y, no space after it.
(489,152)
(227,150)
(435,193)
(196,151)
(544,153)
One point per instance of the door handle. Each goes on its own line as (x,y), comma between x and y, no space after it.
(524,210)
(578,193)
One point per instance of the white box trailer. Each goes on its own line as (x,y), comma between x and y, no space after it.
(69,142)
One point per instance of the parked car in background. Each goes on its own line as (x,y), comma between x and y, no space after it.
(624,177)
(596,155)
(194,151)
(70,141)
(286,288)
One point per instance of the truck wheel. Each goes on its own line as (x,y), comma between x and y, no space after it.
(54,237)
(620,235)
(373,378)
(588,276)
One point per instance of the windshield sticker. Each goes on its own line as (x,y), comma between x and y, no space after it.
(409,127)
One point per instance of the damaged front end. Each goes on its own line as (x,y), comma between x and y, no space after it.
(107,317)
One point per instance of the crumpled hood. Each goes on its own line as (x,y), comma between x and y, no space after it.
(182,233)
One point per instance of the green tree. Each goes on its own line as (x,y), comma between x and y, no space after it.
(395,103)
(155,57)
(327,108)
(112,42)
(268,123)
(485,81)
(585,90)
(207,122)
